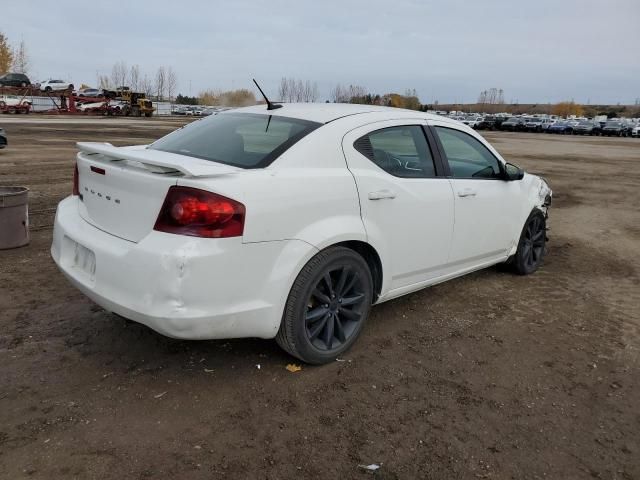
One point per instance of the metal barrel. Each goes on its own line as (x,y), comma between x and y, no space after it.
(14,217)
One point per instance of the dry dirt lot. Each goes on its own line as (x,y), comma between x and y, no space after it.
(488,376)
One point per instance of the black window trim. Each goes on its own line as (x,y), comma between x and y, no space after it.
(445,160)
(431,145)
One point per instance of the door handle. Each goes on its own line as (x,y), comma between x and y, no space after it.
(467,192)
(382,194)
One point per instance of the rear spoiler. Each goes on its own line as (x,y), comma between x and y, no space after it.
(157,161)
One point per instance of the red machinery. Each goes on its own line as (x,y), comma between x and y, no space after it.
(64,101)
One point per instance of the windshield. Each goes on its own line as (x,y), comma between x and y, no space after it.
(244,140)
(613,124)
(513,119)
(585,123)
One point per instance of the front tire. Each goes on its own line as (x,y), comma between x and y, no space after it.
(532,244)
(327,307)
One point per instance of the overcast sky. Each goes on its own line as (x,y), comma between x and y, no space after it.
(448,50)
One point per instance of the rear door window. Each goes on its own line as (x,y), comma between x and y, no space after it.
(401,151)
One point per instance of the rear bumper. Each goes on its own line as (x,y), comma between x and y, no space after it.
(182,287)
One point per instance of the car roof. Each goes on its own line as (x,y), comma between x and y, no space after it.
(327,112)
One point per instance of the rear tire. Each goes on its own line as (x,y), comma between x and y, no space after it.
(327,307)
(532,245)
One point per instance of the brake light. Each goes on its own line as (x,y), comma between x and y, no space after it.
(198,213)
(76,184)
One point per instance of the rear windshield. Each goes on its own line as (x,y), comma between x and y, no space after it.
(244,140)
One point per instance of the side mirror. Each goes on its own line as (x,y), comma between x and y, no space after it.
(513,172)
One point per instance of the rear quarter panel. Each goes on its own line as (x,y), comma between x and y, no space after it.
(307,194)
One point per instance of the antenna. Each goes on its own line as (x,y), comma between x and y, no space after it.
(270,106)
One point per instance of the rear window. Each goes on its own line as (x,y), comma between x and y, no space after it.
(244,140)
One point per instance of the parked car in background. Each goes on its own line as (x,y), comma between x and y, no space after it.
(615,128)
(473,121)
(3,138)
(537,124)
(14,104)
(202,234)
(55,85)
(488,122)
(563,127)
(14,80)
(573,122)
(587,127)
(547,123)
(635,131)
(514,124)
(90,92)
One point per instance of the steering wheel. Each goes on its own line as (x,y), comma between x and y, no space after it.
(385,160)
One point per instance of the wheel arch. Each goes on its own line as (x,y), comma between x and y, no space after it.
(371,256)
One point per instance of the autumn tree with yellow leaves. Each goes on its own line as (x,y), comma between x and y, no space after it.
(566,109)
(6,55)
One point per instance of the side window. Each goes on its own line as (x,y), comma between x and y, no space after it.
(401,151)
(467,157)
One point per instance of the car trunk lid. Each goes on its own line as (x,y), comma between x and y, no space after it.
(122,189)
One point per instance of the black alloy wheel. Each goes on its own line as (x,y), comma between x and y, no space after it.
(327,307)
(531,248)
(334,308)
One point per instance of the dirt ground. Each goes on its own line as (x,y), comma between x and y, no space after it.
(488,376)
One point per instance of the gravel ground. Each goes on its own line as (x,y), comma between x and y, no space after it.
(488,376)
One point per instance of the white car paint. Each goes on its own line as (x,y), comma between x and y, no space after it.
(55,85)
(13,101)
(472,121)
(318,193)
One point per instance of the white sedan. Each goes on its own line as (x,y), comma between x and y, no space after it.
(473,122)
(291,222)
(55,85)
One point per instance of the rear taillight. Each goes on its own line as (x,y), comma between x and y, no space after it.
(190,211)
(76,185)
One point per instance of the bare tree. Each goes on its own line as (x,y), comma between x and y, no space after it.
(146,85)
(119,74)
(298,89)
(283,90)
(134,77)
(21,59)
(295,90)
(104,82)
(490,98)
(356,91)
(310,91)
(172,82)
(339,94)
(160,83)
